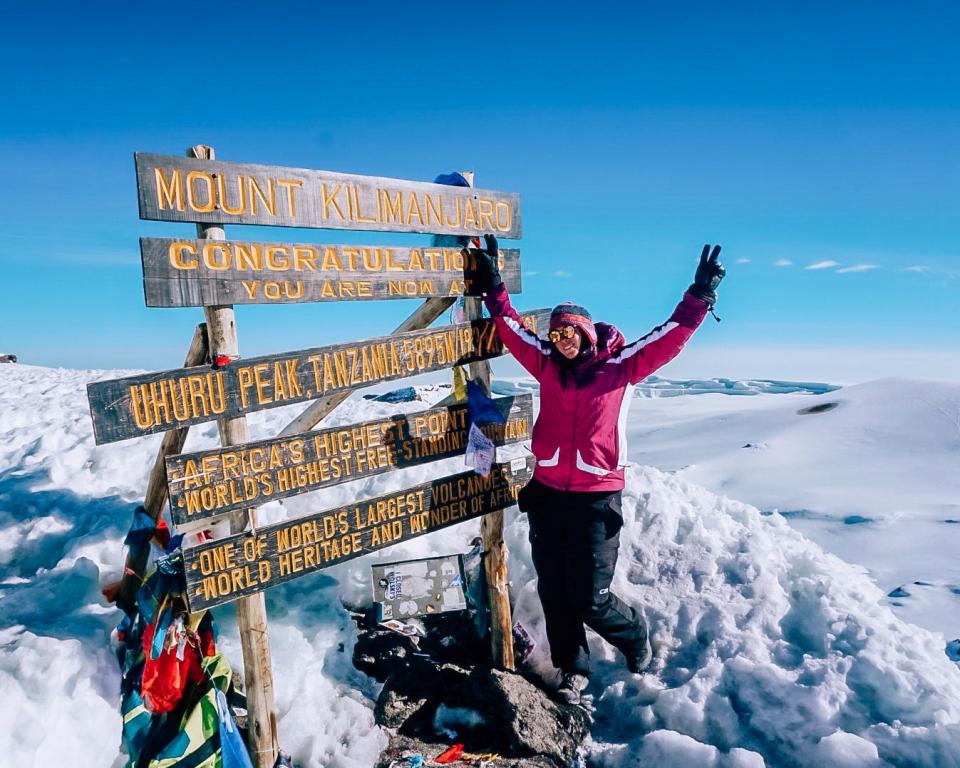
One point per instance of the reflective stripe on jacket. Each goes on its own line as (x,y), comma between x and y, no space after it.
(579,438)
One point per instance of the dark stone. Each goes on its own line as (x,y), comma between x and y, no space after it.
(399,701)
(379,652)
(412,693)
(820,408)
(522,718)
(517,718)
(8,358)
(451,638)
(402,395)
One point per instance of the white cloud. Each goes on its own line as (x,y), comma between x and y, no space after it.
(824,264)
(530,273)
(742,260)
(858,268)
(917,268)
(783,263)
(562,273)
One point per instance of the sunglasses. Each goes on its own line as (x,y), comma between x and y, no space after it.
(564,332)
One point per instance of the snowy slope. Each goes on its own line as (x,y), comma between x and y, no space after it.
(873,479)
(771,652)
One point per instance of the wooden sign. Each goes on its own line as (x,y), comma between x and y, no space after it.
(196,273)
(156,402)
(211,192)
(209,483)
(250,562)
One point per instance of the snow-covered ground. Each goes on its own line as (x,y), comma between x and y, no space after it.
(869,472)
(770,650)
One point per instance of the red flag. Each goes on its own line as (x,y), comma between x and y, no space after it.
(451,755)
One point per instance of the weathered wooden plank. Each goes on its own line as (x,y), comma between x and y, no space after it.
(154,402)
(193,190)
(212,482)
(252,562)
(194,273)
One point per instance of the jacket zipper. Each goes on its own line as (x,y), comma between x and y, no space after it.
(573,442)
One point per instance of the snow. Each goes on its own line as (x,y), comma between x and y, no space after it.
(873,479)
(769,650)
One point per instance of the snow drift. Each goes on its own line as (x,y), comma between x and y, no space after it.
(869,472)
(770,651)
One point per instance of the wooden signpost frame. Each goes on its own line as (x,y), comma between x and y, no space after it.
(217,339)
(262,736)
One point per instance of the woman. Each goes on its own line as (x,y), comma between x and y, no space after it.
(586,374)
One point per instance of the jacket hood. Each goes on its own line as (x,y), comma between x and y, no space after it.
(609,344)
(609,341)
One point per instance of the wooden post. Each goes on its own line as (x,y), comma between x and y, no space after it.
(251,611)
(156,496)
(491,528)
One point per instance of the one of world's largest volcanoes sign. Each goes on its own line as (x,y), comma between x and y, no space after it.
(253,561)
(211,192)
(157,402)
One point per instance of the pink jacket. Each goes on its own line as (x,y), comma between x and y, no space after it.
(579,439)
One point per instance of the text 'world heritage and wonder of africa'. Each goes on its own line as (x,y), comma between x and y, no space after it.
(251,562)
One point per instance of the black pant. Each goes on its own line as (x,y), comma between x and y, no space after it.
(574,541)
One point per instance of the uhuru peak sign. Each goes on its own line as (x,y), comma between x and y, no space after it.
(156,402)
(206,191)
(212,482)
(195,273)
(253,561)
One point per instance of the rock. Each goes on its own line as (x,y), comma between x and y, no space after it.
(395,706)
(435,694)
(380,652)
(509,715)
(410,696)
(405,692)
(402,395)
(8,358)
(525,720)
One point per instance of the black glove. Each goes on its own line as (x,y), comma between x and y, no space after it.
(482,268)
(709,274)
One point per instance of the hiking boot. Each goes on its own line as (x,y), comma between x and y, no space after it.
(571,686)
(637,662)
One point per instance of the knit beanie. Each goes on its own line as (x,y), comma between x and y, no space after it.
(569,313)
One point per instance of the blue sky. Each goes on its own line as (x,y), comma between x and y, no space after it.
(795,134)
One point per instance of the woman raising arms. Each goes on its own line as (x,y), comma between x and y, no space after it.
(586,373)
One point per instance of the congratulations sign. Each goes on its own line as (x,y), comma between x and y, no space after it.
(196,273)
